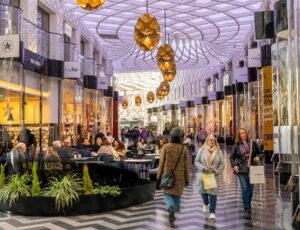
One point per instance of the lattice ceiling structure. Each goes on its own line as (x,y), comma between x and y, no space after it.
(202,32)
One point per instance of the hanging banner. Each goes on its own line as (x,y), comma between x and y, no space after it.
(268,108)
(9,46)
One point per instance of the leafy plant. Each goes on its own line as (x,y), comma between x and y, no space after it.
(65,190)
(152,126)
(87,182)
(107,191)
(16,186)
(35,188)
(2,175)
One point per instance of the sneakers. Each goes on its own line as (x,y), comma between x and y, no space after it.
(205,208)
(212,216)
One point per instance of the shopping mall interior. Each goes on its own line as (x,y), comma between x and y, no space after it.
(149,114)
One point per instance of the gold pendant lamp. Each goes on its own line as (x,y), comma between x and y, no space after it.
(90,4)
(138,100)
(159,94)
(147,31)
(169,76)
(165,88)
(125,104)
(150,97)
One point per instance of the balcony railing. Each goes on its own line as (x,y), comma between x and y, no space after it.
(47,44)
(70,52)
(10,20)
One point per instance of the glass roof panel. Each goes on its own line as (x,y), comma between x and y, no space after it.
(208,28)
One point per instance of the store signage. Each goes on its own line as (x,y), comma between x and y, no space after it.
(267,108)
(120,99)
(68,29)
(72,70)
(198,100)
(212,96)
(168,107)
(241,74)
(102,83)
(254,57)
(183,104)
(9,46)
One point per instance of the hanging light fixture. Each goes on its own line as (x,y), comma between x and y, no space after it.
(159,94)
(165,54)
(165,88)
(169,76)
(90,4)
(125,104)
(147,31)
(138,100)
(150,97)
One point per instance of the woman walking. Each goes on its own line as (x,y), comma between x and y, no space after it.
(174,157)
(209,159)
(245,153)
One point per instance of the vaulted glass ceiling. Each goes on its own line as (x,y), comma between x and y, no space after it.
(202,32)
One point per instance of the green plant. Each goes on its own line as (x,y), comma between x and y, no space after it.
(65,190)
(152,126)
(107,191)
(16,186)
(2,175)
(87,182)
(35,188)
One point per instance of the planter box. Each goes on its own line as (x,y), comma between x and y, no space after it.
(87,204)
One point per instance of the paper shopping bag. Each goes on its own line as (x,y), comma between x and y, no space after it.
(257,174)
(209,181)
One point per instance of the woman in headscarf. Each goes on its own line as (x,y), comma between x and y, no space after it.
(172,153)
(209,159)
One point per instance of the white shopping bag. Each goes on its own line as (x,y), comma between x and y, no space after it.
(257,174)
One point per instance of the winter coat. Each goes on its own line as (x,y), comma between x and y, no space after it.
(169,155)
(236,157)
(200,162)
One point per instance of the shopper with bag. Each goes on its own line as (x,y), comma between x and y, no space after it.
(245,153)
(210,163)
(173,173)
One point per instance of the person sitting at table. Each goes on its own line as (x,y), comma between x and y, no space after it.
(120,151)
(52,155)
(65,152)
(141,145)
(15,159)
(97,145)
(106,151)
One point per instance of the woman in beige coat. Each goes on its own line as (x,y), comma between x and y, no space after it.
(170,154)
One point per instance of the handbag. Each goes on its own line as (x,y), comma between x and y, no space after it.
(257,174)
(209,181)
(168,178)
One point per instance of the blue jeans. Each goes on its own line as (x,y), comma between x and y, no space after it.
(247,189)
(172,202)
(211,200)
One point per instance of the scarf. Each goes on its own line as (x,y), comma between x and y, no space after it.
(211,153)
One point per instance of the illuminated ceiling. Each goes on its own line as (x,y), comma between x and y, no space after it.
(202,32)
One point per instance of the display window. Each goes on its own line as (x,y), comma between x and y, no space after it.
(89,114)
(229,124)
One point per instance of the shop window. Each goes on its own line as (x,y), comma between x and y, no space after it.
(67,48)
(82,48)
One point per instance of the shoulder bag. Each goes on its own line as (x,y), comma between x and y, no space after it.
(168,178)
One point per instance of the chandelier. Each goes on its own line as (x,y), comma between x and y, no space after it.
(150,97)
(125,104)
(90,4)
(165,57)
(147,32)
(138,100)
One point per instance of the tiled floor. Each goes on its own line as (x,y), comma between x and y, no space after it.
(271,210)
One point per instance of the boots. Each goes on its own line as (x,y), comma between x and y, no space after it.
(172,219)
(247,214)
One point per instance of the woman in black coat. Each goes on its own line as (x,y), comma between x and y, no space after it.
(241,158)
